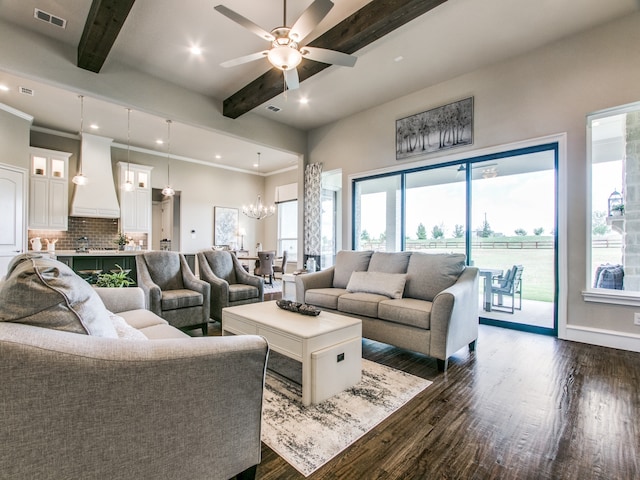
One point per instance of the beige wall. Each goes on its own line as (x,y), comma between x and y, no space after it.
(14,137)
(201,188)
(548,91)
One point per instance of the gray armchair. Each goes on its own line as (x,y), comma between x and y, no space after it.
(230,284)
(172,290)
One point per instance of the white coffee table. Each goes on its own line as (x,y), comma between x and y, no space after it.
(329,346)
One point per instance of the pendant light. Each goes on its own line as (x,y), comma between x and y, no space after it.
(127,186)
(79,178)
(168,191)
(258,210)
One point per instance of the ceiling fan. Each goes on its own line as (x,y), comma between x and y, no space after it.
(285,52)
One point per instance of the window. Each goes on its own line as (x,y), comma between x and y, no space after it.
(288,229)
(377,214)
(613,263)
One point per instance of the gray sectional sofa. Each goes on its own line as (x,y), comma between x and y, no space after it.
(423,302)
(87,396)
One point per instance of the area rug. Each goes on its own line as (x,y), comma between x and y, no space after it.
(308,437)
(273,291)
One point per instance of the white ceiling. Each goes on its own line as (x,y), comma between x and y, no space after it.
(456,37)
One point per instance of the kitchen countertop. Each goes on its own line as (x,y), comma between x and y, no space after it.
(97,253)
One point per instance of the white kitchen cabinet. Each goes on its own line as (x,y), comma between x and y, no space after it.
(135,205)
(48,189)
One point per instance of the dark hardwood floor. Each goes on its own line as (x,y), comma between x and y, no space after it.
(523,406)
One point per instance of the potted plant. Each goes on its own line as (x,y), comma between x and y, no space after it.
(121,241)
(116,279)
(617,210)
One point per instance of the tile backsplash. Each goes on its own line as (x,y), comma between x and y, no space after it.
(102,233)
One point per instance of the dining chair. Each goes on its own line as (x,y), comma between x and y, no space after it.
(264,265)
(282,268)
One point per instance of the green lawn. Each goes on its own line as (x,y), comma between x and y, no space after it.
(504,252)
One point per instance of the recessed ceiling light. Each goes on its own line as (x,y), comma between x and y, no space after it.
(399,58)
(304,100)
(93,126)
(196,50)
(218,157)
(159,141)
(4,88)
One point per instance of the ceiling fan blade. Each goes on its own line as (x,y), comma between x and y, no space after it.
(245,59)
(331,57)
(245,22)
(291,77)
(310,19)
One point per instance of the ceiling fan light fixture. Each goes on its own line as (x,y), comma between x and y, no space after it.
(284,57)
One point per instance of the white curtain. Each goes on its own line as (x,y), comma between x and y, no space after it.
(312,210)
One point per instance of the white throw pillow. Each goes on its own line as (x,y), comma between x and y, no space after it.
(388,284)
(124,330)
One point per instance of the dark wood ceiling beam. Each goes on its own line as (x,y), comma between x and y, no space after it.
(371,22)
(101,29)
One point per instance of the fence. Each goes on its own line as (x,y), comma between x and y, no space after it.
(510,244)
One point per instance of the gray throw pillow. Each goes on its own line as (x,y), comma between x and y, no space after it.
(347,262)
(430,273)
(388,284)
(46,293)
(389,262)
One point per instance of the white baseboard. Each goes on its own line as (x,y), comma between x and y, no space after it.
(604,338)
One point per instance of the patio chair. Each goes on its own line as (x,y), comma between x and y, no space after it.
(508,285)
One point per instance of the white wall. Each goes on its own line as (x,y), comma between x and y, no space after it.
(548,91)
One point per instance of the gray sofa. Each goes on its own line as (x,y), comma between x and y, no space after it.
(148,403)
(423,302)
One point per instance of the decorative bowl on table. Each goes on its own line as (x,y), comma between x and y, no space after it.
(296,307)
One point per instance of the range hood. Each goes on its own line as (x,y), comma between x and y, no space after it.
(98,198)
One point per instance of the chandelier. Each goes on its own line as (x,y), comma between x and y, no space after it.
(258,210)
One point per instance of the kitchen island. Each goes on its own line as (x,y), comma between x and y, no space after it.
(106,260)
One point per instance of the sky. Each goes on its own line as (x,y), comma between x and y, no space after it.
(510,202)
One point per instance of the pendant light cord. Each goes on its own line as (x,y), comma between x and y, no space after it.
(168,151)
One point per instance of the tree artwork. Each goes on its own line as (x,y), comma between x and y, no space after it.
(436,129)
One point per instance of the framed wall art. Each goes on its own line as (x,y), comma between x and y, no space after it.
(225,226)
(448,126)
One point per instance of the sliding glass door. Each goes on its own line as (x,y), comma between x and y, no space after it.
(436,205)
(513,238)
(499,210)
